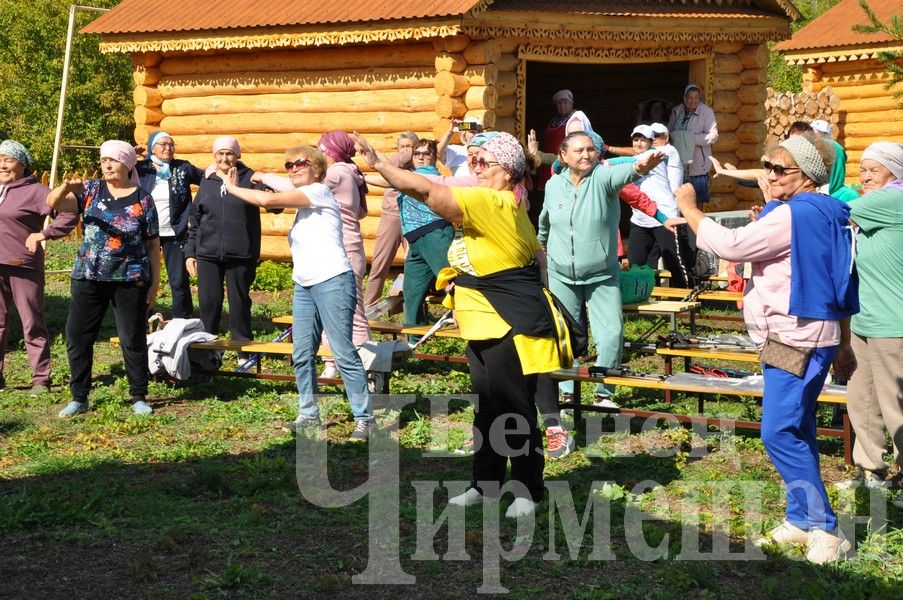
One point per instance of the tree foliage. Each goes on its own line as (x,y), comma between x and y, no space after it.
(890,59)
(99,99)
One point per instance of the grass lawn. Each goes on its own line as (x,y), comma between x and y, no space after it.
(202,499)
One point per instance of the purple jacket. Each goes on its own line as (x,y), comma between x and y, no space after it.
(21,214)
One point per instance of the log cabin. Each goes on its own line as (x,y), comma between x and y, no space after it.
(834,56)
(275,74)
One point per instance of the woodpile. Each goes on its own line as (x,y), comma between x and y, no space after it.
(785,108)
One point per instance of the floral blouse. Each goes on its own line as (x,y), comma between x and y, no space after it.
(116,231)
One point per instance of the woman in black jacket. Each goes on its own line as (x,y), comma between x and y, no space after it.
(224,243)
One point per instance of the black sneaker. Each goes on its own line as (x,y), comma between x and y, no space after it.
(2,383)
(361,431)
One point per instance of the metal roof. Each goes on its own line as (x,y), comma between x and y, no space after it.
(834,27)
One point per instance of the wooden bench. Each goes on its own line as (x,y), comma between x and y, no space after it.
(688,354)
(581,375)
(667,308)
(711,295)
(391,329)
(445,332)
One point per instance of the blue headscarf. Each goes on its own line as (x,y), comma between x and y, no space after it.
(19,152)
(164,171)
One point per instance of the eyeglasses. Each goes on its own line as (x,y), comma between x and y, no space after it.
(661,135)
(422,153)
(483,163)
(165,144)
(299,164)
(778,170)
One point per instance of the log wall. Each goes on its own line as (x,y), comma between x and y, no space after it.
(738,96)
(867,110)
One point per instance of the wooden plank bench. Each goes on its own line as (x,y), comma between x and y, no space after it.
(391,329)
(581,375)
(667,308)
(711,295)
(688,354)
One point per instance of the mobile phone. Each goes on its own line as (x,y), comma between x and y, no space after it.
(468,126)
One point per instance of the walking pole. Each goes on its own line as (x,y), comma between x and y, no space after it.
(252,360)
(442,322)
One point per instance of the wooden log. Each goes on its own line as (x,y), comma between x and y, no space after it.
(507,83)
(859,90)
(413,100)
(482,52)
(723,185)
(727,47)
(283,122)
(146,59)
(142,132)
(276,224)
(778,131)
(446,61)
(506,107)
(452,43)
(727,143)
(754,56)
(750,133)
(889,115)
(142,75)
(450,108)
(726,82)
(873,104)
(728,63)
(482,75)
(451,84)
(505,124)
(481,97)
(727,122)
(409,54)
(811,108)
(784,102)
(882,130)
(286,82)
(751,94)
(748,195)
(721,202)
(144,114)
(752,77)
(277,142)
(751,113)
(507,62)
(751,152)
(440,127)
(147,96)
(726,102)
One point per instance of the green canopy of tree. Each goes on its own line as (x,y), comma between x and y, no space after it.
(780,75)
(891,58)
(99,98)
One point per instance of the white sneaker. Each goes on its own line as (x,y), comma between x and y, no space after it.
(469,498)
(827,546)
(603,402)
(785,533)
(869,479)
(521,507)
(329,371)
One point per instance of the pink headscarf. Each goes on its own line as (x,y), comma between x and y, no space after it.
(227,142)
(121,152)
(339,146)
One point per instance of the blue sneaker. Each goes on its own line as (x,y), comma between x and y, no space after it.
(140,407)
(73,408)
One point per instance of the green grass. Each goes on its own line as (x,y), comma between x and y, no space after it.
(200,500)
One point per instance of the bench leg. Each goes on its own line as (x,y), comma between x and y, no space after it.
(692,321)
(669,370)
(578,413)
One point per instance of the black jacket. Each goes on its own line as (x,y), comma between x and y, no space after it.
(222,227)
(184,175)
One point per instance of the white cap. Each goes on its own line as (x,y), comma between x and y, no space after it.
(643,130)
(821,126)
(658,128)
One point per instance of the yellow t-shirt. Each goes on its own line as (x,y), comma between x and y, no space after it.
(495,235)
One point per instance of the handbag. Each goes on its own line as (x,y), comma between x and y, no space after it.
(783,356)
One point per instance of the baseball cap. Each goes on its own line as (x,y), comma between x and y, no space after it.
(643,130)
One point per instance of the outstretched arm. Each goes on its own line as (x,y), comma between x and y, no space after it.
(62,197)
(436,196)
(294,198)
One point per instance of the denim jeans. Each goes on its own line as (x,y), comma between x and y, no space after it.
(328,305)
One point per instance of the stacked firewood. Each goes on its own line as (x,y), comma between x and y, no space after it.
(785,108)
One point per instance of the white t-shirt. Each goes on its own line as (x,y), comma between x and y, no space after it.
(316,238)
(456,160)
(161,201)
(657,186)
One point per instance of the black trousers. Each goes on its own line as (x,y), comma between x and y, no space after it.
(646,244)
(174,257)
(238,276)
(504,392)
(87,308)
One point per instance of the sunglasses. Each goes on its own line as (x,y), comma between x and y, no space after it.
(299,164)
(482,163)
(778,170)
(422,153)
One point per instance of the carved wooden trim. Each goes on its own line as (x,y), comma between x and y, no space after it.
(591,33)
(288,38)
(847,55)
(520,98)
(615,55)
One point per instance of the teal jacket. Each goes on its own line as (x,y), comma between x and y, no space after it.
(579,225)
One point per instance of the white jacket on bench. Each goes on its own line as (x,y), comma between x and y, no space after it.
(168,349)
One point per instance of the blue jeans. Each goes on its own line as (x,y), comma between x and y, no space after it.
(327,305)
(788,434)
(700,183)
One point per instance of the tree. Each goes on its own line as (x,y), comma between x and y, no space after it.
(890,59)
(99,99)
(780,75)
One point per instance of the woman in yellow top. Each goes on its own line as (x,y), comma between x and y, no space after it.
(503,313)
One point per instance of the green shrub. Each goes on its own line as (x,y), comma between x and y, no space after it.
(273,277)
